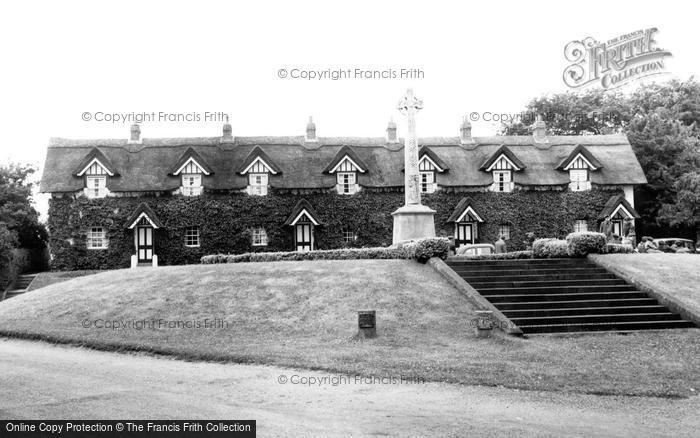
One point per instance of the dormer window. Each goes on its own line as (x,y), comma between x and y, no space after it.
(95,168)
(96,186)
(427,181)
(428,166)
(257,184)
(346,165)
(191,184)
(579,163)
(346,183)
(502,164)
(191,167)
(579,180)
(258,168)
(502,181)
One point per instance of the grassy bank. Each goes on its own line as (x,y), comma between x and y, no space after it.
(304,314)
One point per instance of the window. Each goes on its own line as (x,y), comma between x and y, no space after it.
(349,236)
(96,238)
(258,184)
(579,180)
(427,180)
(504,231)
(259,237)
(191,184)
(502,181)
(192,236)
(580,226)
(96,186)
(346,183)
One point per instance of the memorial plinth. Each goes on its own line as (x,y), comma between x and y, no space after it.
(413,220)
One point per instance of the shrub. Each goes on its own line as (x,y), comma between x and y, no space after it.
(617,248)
(503,256)
(424,249)
(421,249)
(584,243)
(549,248)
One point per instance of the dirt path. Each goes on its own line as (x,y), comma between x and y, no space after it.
(40,380)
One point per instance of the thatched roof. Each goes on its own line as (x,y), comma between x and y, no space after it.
(345,151)
(146,166)
(580,149)
(254,155)
(503,150)
(191,153)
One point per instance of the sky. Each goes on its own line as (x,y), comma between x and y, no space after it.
(63,59)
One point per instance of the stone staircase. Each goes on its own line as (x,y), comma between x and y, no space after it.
(20,286)
(564,295)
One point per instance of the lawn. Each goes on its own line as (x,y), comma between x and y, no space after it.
(675,275)
(44,279)
(304,314)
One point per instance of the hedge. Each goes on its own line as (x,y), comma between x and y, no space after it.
(583,243)
(550,248)
(421,250)
(225,221)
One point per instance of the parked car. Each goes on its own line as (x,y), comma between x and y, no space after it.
(476,249)
(667,243)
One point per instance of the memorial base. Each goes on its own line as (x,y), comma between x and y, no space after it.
(413,222)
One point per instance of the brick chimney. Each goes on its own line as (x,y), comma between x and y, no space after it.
(311,130)
(227,136)
(391,132)
(465,132)
(539,129)
(135,134)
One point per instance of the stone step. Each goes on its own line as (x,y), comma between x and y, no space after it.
(606,326)
(572,304)
(532,297)
(543,282)
(539,277)
(519,262)
(600,318)
(570,289)
(601,310)
(480,273)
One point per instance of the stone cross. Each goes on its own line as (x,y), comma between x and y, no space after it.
(409,106)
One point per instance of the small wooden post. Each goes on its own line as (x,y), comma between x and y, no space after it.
(366,324)
(484,324)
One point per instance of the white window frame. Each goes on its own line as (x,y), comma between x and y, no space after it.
(96,238)
(504,185)
(192,239)
(191,184)
(427,181)
(580,225)
(349,236)
(96,186)
(258,188)
(504,230)
(259,237)
(347,183)
(580,180)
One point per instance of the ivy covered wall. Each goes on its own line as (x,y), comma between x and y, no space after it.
(225,220)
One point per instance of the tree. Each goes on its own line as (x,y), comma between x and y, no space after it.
(16,210)
(661,122)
